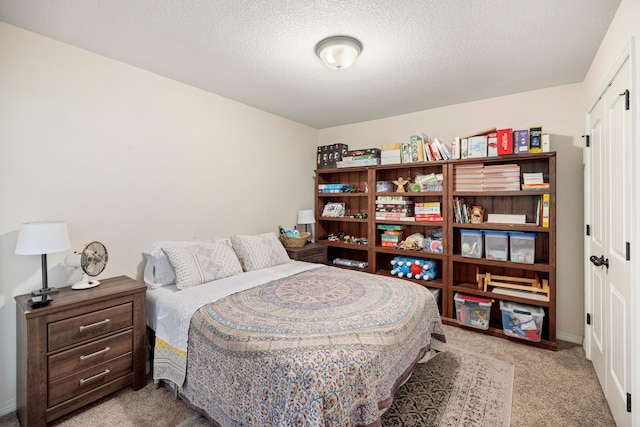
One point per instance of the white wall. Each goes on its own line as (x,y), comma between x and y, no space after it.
(127,157)
(556,109)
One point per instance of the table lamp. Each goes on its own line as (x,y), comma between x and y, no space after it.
(306,217)
(42,238)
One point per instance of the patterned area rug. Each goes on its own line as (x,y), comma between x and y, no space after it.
(455,388)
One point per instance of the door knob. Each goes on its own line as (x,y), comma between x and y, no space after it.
(598,261)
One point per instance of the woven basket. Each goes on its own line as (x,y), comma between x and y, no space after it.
(295,241)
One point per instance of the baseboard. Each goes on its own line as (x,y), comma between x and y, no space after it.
(7,407)
(563,336)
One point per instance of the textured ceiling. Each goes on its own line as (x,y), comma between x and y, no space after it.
(417,54)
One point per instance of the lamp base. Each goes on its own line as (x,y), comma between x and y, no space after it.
(46,291)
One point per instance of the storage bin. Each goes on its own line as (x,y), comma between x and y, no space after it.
(496,245)
(473,311)
(523,247)
(471,243)
(521,320)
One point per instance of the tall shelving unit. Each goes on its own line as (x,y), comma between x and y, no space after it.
(456,273)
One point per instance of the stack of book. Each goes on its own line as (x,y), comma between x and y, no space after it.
(461,211)
(501,178)
(394,208)
(333,188)
(390,154)
(428,211)
(391,235)
(533,181)
(468,177)
(366,157)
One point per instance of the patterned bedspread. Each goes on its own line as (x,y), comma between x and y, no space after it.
(326,347)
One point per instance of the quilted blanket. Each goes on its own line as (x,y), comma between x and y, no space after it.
(326,347)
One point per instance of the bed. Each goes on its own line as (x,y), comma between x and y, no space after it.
(284,342)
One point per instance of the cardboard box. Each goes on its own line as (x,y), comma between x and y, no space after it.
(521,141)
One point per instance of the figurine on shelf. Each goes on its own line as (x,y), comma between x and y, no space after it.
(477,214)
(400,182)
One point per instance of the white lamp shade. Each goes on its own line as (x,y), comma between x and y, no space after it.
(306,217)
(339,52)
(46,237)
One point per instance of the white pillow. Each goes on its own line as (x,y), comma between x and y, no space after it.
(259,251)
(206,262)
(158,270)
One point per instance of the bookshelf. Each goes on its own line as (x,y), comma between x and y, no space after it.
(456,273)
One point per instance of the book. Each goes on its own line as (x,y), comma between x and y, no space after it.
(405,152)
(505,141)
(507,218)
(417,151)
(521,141)
(545,210)
(477,146)
(455,148)
(546,143)
(535,139)
(464,148)
(492,144)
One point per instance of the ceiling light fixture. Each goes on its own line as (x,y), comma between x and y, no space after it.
(338,52)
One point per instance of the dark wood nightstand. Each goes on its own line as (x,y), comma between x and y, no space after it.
(311,252)
(84,345)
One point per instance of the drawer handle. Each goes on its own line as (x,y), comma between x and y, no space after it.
(95,377)
(97,353)
(94,325)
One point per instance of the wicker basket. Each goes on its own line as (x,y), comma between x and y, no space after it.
(295,241)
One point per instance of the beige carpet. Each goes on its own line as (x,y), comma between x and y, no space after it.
(550,389)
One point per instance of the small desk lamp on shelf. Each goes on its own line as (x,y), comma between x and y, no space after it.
(306,217)
(42,238)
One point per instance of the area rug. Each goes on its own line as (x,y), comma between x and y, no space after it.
(454,388)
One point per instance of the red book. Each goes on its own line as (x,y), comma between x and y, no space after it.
(505,141)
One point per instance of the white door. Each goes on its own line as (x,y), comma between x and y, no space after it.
(610,235)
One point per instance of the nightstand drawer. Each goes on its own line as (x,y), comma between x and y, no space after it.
(89,379)
(80,328)
(88,355)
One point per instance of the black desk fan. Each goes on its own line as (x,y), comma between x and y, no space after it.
(92,260)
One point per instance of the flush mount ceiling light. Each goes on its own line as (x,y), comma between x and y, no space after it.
(338,52)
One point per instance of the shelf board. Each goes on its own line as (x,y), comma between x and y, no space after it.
(504,264)
(512,193)
(343,194)
(473,289)
(353,246)
(507,227)
(436,283)
(409,253)
(342,219)
(410,193)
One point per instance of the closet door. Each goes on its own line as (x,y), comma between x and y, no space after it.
(610,222)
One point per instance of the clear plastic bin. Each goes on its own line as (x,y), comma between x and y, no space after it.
(471,243)
(496,245)
(473,311)
(523,247)
(521,320)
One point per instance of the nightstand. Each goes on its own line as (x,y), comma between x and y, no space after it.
(311,252)
(84,345)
